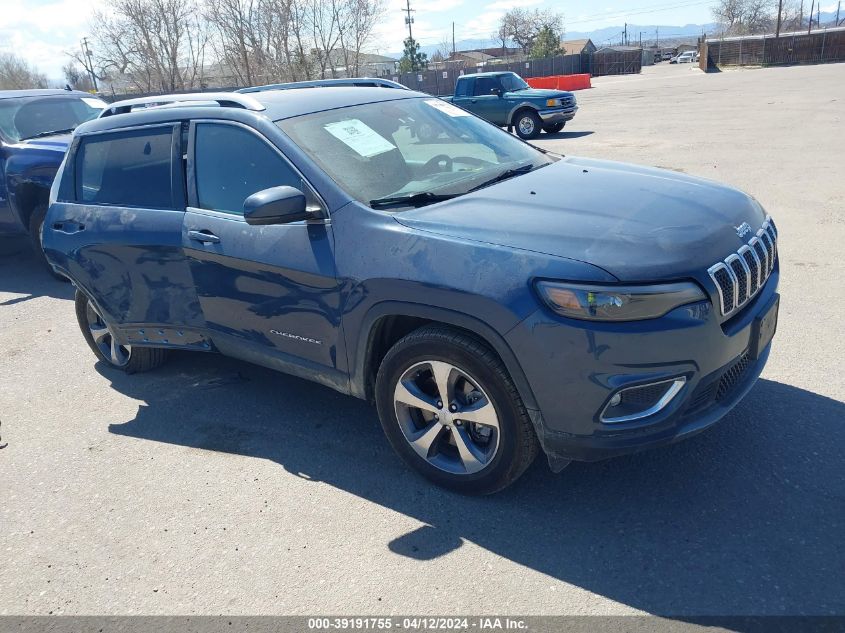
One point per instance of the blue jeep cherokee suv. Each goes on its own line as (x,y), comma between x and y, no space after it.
(492,299)
(35,128)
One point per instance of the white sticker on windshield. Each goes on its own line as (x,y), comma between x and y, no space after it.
(360,137)
(447,108)
(94,103)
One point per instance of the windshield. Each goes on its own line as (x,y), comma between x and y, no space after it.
(423,150)
(29,117)
(513,82)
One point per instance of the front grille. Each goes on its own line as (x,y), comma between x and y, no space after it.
(567,102)
(732,376)
(741,275)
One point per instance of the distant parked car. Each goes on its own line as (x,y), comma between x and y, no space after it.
(667,55)
(684,58)
(35,128)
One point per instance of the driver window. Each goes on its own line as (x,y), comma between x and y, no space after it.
(232,163)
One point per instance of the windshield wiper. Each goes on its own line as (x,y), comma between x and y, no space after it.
(419,199)
(508,173)
(49,133)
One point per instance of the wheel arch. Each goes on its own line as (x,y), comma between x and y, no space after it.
(525,105)
(27,196)
(387,322)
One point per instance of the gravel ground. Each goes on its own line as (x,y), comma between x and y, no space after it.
(212,486)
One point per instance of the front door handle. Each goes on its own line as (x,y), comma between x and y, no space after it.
(68,226)
(206,237)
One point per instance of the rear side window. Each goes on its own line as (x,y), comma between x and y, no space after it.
(132,169)
(232,163)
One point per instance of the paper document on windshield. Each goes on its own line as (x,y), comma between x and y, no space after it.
(360,137)
(446,107)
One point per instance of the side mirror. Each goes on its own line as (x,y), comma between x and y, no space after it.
(277,205)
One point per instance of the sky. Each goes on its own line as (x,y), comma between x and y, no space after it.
(42,31)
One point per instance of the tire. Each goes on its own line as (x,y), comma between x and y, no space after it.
(470,457)
(36,225)
(527,124)
(554,128)
(130,359)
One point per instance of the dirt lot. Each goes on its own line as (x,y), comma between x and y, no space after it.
(214,486)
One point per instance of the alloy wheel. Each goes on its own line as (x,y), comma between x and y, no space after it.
(446,417)
(117,354)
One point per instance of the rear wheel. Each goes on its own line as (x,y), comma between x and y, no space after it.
(106,346)
(554,128)
(451,411)
(528,124)
(36,228)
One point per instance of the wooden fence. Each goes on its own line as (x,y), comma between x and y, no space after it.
(790,48)
(441,81)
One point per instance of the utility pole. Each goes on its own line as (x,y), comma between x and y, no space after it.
(409,19)
(86,54)
(801,16)
(657,36)
(838,4)
(810,27)
(625,35)
(780,12)
(453,39)
(819,15)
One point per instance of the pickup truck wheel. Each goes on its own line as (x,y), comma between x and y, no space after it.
(36,228)
(451,411)
(554,128)
(528,124)
(103,343)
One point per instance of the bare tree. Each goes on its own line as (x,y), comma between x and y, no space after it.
(16,73)
(740,17)
(357,23)
(158,45)
(522,26)
(76,77)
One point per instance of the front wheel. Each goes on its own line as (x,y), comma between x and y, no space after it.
(105,344)
(554,128)
(451,411)
(528,124)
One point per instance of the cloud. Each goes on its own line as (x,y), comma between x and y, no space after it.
(506,5)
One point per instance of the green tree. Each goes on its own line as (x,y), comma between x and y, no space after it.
(412,60)
(546,44)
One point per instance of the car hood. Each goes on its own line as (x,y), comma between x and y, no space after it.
(59,142)
(539,93)
(637,223)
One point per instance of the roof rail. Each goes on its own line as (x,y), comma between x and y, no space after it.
(223,99)
(326,83)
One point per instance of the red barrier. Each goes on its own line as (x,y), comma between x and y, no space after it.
(561,82)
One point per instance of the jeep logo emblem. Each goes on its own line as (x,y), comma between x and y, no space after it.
(743,229)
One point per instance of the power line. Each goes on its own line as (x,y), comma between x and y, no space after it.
(641,11)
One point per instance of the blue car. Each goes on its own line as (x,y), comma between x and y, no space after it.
(490,298)
(35,129)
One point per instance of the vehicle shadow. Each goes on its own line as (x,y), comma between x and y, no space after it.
(565,135)
(746,518)
(21,273)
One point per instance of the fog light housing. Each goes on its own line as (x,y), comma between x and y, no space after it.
(641,401)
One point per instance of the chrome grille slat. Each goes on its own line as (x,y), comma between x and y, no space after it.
(741,275)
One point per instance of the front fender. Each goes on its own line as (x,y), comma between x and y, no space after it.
(521,105)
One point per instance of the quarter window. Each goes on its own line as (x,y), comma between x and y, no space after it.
(232,164)
(132,169)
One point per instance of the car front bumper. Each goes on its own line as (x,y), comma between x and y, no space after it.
(557,115)
(575,367)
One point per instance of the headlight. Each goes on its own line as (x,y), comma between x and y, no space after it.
(617,303)
(552,103)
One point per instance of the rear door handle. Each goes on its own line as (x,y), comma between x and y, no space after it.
(68,226)
(206,237)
